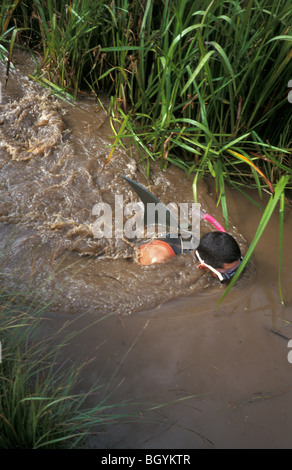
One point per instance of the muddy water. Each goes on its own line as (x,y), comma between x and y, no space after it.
(53,173)
(222,373)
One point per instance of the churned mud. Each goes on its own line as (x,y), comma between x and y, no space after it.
(53,173)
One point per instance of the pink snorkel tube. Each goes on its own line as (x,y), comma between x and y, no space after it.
(212,221)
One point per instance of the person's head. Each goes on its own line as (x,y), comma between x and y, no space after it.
(219,252)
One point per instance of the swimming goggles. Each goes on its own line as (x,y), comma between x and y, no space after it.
(223,277)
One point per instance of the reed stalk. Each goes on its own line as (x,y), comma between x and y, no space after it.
(39,405)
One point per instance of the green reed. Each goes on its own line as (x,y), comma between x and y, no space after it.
(61,36)
(39,405)
(190,72)
(206,83)
(278,195)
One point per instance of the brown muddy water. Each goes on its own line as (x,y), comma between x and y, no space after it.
(154,335)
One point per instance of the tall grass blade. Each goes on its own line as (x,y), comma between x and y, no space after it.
(281,227)
(279,190)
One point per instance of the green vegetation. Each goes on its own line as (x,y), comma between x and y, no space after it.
(202,85)
(39,407)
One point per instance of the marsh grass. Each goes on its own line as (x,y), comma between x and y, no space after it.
(203,85)
(206,87)
(39,405)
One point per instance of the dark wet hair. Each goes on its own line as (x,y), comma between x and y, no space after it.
(217,248)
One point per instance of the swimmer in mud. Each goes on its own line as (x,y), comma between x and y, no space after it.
(217,251)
